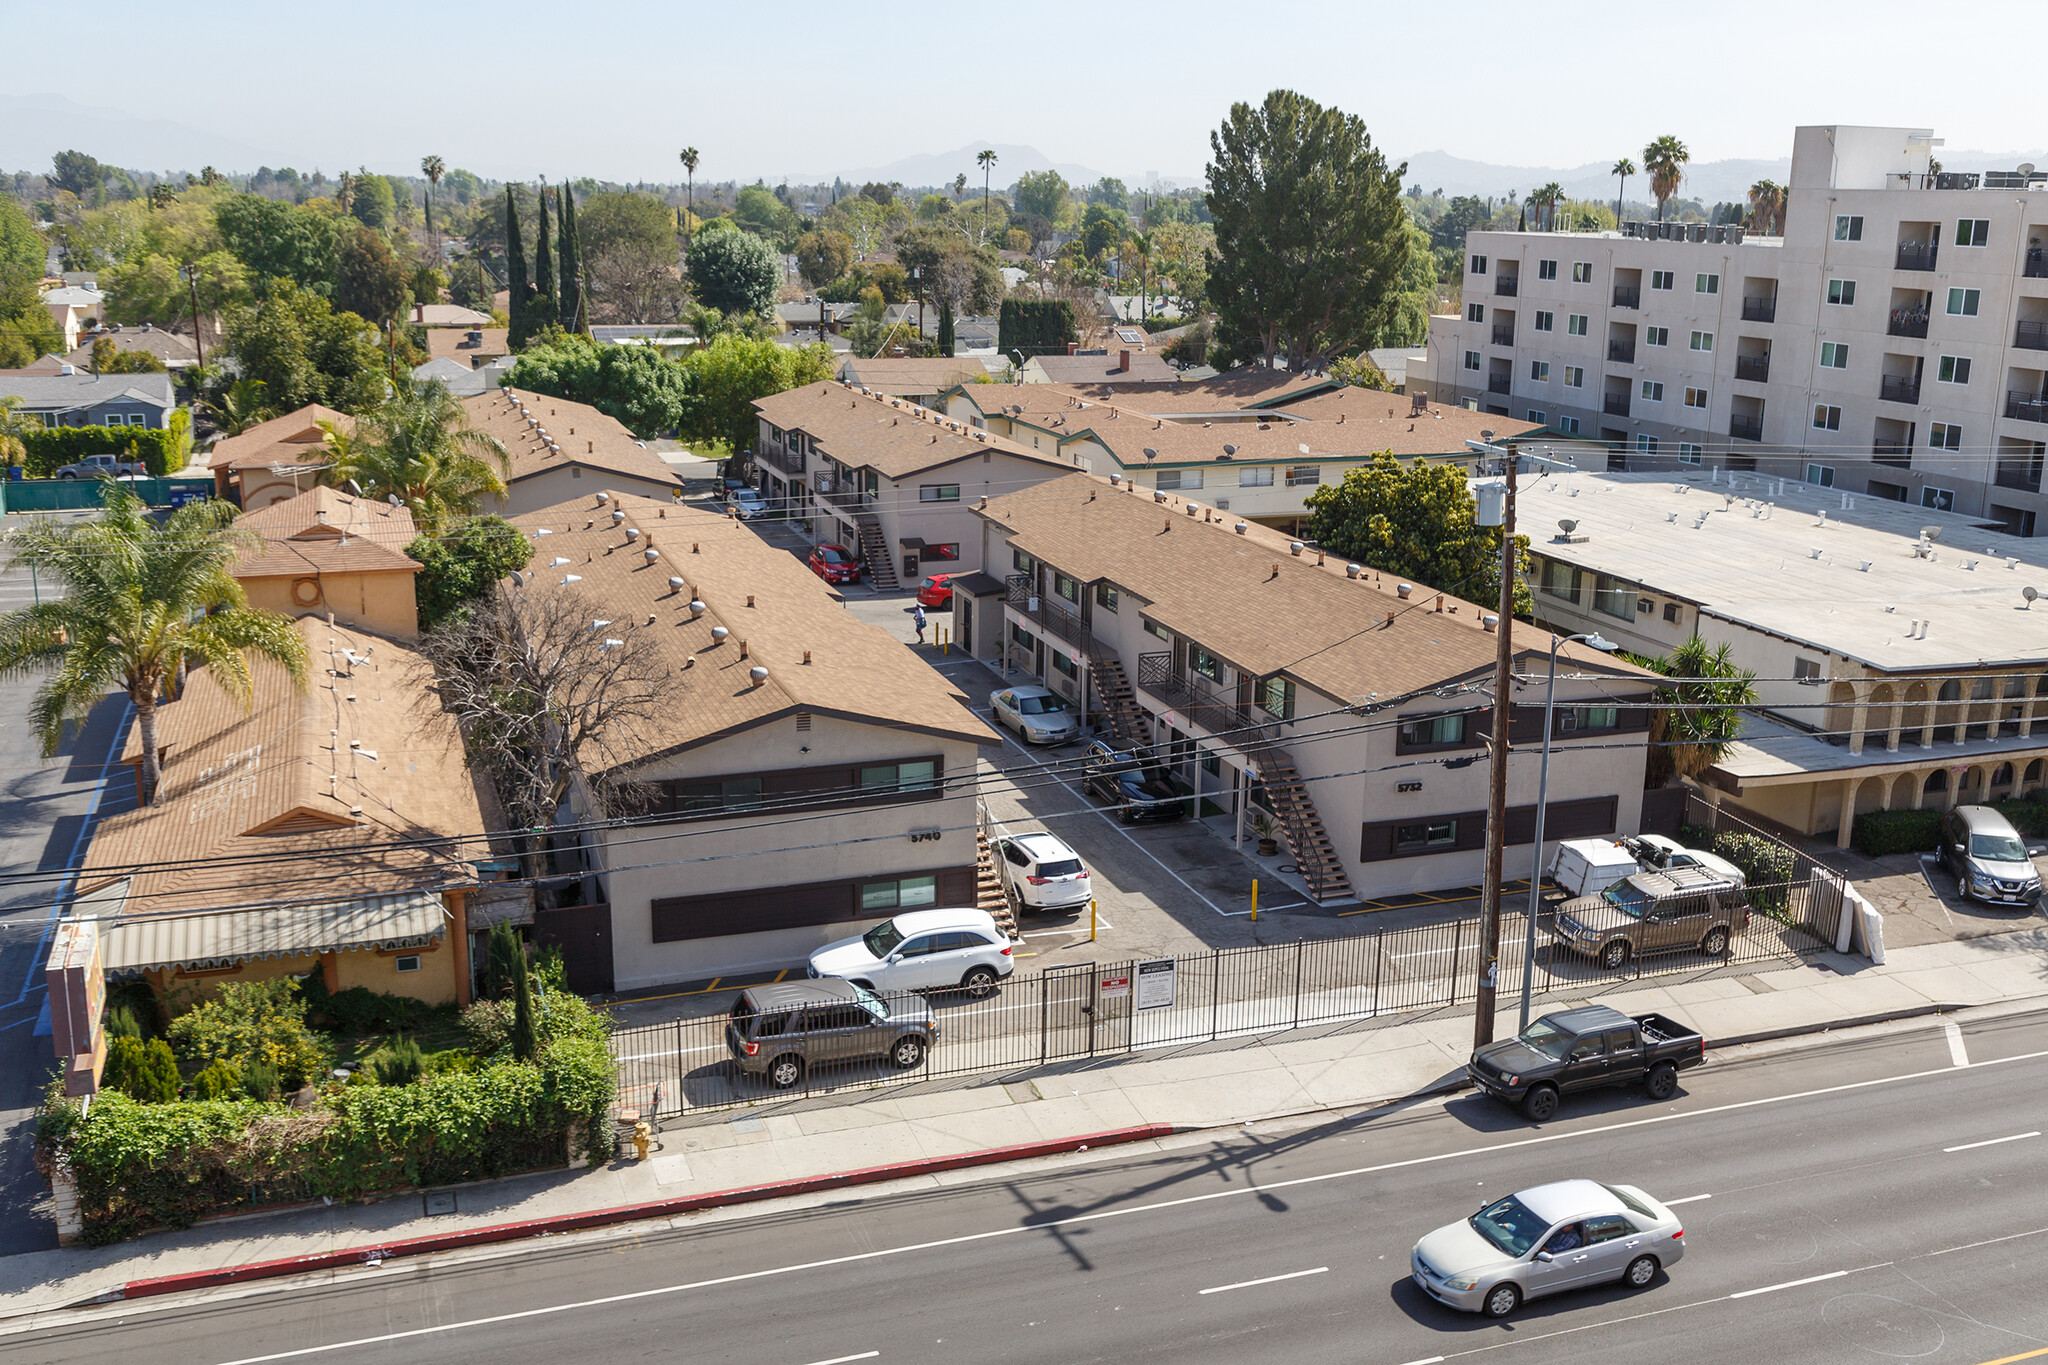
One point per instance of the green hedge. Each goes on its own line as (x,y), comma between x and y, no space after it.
(2030,818)
(1035,327)
(1880,832)
(53,447)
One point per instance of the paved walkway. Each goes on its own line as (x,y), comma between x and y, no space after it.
(1204,1086)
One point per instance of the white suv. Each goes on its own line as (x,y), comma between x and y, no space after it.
(1040,872)
(922,950)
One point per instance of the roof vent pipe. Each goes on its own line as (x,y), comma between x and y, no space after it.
(650,554)
(1241,528)
(675,585)
(696,603)
(1490,621)
(719,633)
(1295,547)
(758,674)
(1405,589)
(1351,570)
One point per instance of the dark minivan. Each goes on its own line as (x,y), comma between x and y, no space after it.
(782,1029)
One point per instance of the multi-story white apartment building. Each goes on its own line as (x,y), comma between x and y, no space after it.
(1894,341)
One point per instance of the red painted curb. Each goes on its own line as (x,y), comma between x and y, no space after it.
(626,1213)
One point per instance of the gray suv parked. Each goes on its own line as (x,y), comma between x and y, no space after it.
(781,1030)
(1655,912)
(1990,861)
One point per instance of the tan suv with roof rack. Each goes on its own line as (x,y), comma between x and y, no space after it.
(1680,909)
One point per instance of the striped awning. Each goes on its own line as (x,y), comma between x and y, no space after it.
(222,938)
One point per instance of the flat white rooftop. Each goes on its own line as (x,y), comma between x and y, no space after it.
(1771,750)
(1760,553)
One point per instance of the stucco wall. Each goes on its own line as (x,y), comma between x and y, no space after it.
(538,491)
(382,602)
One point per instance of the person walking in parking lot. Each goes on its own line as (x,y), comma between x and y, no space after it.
(917,619)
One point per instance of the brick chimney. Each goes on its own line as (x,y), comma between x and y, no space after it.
(1123,361)
(1073,347)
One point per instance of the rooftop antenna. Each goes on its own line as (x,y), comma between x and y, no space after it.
(2030,593)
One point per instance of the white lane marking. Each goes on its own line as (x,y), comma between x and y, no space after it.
(1106,1214)
(1989,1242)
(1428,1360)
(1689,1199)
(1992,1142)
(841,1360)
(1957,1053)
(1270,1279)
(1435,952)
(1789,1284)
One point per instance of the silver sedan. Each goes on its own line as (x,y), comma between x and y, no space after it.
(1038,715)
(1544,1240)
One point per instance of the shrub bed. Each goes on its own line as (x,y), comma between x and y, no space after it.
(54,447)
(1877,833)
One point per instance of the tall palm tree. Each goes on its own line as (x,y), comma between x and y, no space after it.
(689,160)
(433,168)
(1664,161)
(1139,249)
(1767,208)
(241,406)
(986,159)
(1623,169)
(959,186)
(1550,196)
(418,446)
(140,599)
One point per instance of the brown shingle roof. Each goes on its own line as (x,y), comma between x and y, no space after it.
(1248,598)
(582,436)
(324,776)
(1220,393)
(1364,429)
(293,439)
(894,437)
(1146,368)
(854,669)
(453,343)
(915,375)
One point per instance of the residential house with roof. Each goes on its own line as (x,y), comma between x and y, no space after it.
(438,315)
(921,379)
(1128,363)
(330,553)
(1897,659)
(886,477)
(74,397)
(805,775)
(329,828)
(276,460)
(1350,706)
(474,347)
(172,351)
(560,449)
(71,307)
(460,379)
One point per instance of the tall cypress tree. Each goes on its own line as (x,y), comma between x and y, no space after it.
(525,1039)
(572,264)
(516,288)
(945,327)
(546,303)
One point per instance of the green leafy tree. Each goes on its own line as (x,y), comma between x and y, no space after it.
(304,351)
(460,567)
(520,292)
(373,204)
(727,376)
(399,1062)
(759,211)
(1310,238)
(241,405)
(418,446)
(1041,199)
(823,256)
(1664,162)
(525,1041)
(1359,372)
(1102,229)
(278,241)
(78,173)
(644,390)
(734,272)
(262,1021)
(141,599)
(501,964)
(369,280)
(1699,714)
(1415,521)
(217,1081)
(1110,193)
(27,333)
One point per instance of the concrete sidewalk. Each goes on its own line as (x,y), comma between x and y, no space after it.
(1203,1086)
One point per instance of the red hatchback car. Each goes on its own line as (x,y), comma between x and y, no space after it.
(835,564)
(936,591)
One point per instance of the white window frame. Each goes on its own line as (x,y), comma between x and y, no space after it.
(1688,453)
(1475,312)
(1702,342)
(1546,270)
(1539,372)
(1653,391)
(1827,417)
(1546,321)
(1646,444)
(1841,293)
(1575,324)
(1663,279)
(1834,355)
(1255,476)
(1575,376)
(1706,282)
(1695,398)
(1973,232)
(1656,336)
(1963,303)
(1568,425)
(1945,436)
(1821,475)
(1950,366)
(1472,361)
(1539,416)
(1939,499)
(1479,265)
(1582,272)
(1848,227)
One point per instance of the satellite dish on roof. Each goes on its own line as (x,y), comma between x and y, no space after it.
(394,499)
(1567,526)
(1150,453)
(2030,593)
(1930,533)
(355,488)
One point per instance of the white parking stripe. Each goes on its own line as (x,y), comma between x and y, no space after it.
(1270,1279)
(1689,1199)
(1793,1284)
(1957,1053)
(1992,1142)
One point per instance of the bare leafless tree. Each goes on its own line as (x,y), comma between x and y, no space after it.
(632,282)
(546,690)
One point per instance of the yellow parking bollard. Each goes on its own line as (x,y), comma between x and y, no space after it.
(1091,919)
(1255,900)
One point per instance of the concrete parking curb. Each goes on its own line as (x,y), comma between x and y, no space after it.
(625,1213)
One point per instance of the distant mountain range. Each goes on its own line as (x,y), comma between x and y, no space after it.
(926,169)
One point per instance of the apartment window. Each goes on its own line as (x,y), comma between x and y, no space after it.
(1657,336)
(1538,415)
(1574,377)
(1206,664)
(1695,398)
(1834,355)
(1067,587)
(1546,270)
(1582,272)
(1646,444)
(1954,369)
(1575,325)
(1153,628)
(1064,666)
(1653,390)
(1671,611)
(1583,718)
(1304,475)
(1826,417)
(1704,283)
(1475,312)
(900,894)
(1612,597)
(1805,670)
(733,793)
(1568,425)
(406,962)
(938,492)
(1962,303)
(1842,293)
(1702,341)
(1560,580)
(2018,521)
(1276,697)
(1173,479)
(1539,370)
(1945,436)
(1661,279)
(1478,265)
(1430,834)
(1973,231)
(1848,227)
(1821,475)
(1471,360)
(1688,453)
(1545,321)
(1433,730)
(900,777)
(1940,499)
(1255,476)
(1022,562)
(1211,764)
(1105,596)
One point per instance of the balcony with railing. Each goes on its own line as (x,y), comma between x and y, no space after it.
(1897,454)
(1760,310)
(1498,383)
(1907,322)
(1021,597)
(1204,702)
(1627,297)
(841,493)
(1746,428)
(1505,286)
(788,458)
(2031,336)
(1755,368)
(2020,469)
(1918,255)
(1899,388)
(1616,405)
(2036,267)
(1622,352)
(1503,335)
(2027,407)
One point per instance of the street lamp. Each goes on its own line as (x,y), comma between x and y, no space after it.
(1542,795)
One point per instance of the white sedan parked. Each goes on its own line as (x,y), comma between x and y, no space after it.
(922,950)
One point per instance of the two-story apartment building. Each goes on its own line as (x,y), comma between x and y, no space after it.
(1892,670)
(332,554)
(804,775)
(1893,341)
(886,477)
(555,445)
(1348,704)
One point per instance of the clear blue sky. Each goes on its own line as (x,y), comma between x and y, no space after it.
(789,87)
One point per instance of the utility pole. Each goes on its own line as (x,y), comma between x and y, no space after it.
(1497,790)
(191,274)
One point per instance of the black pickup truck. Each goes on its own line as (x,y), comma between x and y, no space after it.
(1581,1049)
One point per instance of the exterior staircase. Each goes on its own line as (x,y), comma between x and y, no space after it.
(1314,854)
(988,888)
(875,550)
(1119,702)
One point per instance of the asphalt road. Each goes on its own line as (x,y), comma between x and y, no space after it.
(1859,1200)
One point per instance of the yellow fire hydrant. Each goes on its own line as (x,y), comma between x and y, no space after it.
(643,1139)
